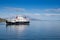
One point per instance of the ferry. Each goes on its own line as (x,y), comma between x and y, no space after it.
(18,20)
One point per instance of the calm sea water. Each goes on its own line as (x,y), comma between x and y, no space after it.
(36,30)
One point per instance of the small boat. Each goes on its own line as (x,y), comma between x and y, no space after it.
(18,20)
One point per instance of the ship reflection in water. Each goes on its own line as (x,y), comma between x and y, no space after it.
(16,30)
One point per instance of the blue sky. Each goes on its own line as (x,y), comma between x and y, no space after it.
(37,4)
(11,7)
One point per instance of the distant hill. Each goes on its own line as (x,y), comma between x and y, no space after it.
(2,20)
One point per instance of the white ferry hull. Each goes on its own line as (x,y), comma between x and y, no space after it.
(16,23)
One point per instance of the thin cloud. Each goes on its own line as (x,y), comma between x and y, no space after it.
(37,13)
(52,10)
(14,9)
(57,10)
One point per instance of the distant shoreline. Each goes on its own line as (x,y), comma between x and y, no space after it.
(2,20)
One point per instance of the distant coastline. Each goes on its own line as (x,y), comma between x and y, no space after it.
(2,20)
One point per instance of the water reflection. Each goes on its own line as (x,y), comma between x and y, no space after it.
(16,29)
(44,30)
